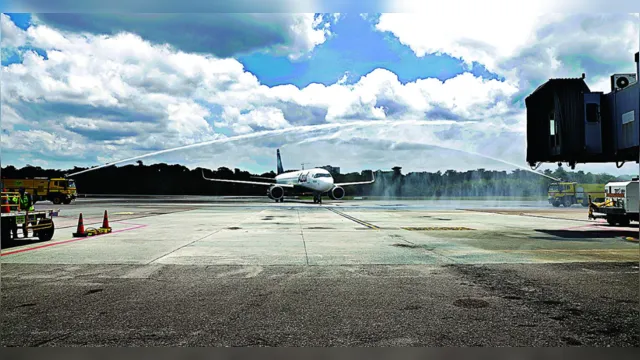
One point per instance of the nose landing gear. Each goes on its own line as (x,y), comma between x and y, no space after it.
(317,198)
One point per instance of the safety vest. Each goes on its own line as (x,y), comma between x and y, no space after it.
(24,201)
(15,200)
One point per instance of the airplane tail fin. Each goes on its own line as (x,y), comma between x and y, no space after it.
(280,169)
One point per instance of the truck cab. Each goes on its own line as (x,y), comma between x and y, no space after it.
(62,190)
(561,193)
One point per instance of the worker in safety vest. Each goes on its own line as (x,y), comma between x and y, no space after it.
(15,201)
(25,205)
(14,225)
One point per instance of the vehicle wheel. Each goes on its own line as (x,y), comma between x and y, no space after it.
(611,220)
(624,221)
(556,204)
(45,234)
(56,200)
(567,202)
(5,233)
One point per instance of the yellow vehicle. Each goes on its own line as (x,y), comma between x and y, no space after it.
(571,193)
(56,190)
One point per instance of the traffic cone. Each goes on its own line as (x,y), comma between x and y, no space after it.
(105,223)
(80,232)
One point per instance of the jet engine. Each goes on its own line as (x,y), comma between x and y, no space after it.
(337,193)
(275,193)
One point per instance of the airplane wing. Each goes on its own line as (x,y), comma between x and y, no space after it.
(373,179)
(263,178)
(247,182)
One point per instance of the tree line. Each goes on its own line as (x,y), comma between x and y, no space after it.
(165,179)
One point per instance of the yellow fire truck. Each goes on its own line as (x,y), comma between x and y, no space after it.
(56,190)
(570,193)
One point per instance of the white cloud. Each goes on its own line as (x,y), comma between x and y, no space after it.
(220,34)
(468,35)
(10,118)
(311,30)
(262,118)
(523,46)
(11,34)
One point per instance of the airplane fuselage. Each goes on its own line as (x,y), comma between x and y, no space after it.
(316,180)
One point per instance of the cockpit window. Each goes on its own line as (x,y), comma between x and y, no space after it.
(319,175)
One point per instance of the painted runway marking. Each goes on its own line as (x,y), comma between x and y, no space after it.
(363,223)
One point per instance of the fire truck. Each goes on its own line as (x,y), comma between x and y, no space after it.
(571,193)
(56,190)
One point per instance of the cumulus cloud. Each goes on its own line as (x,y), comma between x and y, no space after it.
(528,48)
(221,34)
(11,34)
(264,118)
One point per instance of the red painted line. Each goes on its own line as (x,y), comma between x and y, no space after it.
(69,241)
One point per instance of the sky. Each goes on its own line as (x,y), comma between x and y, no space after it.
(423,91)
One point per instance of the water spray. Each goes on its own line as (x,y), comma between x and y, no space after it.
(444,147)
(297,130)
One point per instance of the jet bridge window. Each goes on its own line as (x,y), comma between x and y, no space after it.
(593,113)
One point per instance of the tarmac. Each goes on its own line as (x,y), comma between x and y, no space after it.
(203,271)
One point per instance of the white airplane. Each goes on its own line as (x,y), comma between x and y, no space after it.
(317,181)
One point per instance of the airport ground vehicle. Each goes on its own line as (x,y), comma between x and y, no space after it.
(621,203)
(56,190)
(570,193)
(39,223)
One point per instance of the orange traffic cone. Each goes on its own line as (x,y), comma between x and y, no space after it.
(105,223)
(80,232)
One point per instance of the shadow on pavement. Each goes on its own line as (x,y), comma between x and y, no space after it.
(591,234)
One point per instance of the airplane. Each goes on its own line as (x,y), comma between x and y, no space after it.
(317,181)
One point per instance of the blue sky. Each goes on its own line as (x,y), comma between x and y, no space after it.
(356,50)
(88,89)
